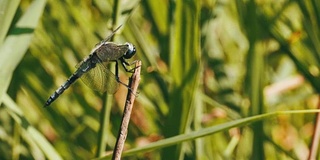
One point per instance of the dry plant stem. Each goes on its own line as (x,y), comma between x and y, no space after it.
(133,84)
(316,136)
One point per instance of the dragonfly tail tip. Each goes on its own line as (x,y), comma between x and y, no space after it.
(45,105)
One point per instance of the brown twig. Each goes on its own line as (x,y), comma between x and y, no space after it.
(316,136)
(122,135)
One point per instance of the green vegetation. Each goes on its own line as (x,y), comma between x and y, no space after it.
(220,79)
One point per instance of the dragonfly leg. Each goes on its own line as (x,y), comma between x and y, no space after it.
(117,70)
(124,64)
(117,74)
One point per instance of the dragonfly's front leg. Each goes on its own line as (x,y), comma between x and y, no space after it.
(124,64)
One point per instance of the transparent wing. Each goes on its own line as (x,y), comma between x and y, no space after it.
(110,36)
(111,51)
(100,79)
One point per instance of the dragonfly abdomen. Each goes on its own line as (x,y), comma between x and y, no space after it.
(62,88)
(84,67)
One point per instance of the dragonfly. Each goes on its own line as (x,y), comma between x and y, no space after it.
(93,72)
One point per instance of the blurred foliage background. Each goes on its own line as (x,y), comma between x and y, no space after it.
(204,63)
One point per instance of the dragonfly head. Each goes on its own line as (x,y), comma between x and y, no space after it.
(131,51)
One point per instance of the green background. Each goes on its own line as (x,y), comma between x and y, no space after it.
(210,68)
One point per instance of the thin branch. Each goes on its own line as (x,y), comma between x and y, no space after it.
(316,136)
(122,135)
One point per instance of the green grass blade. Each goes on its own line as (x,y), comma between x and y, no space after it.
(209,131)
(7,9)
(107,103)
(185,69)
(17,43)
(36,136)
(254,82)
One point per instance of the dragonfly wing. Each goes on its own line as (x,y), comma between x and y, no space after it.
(111,51)
(100,79)
(110,36)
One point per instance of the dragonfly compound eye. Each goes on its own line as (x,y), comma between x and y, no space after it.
(131,51)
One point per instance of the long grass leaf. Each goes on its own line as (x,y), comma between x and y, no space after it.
(37,137)
(7,9)
(184,67)
(209,131)
(17,43)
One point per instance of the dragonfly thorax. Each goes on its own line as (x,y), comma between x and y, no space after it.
(131,51)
